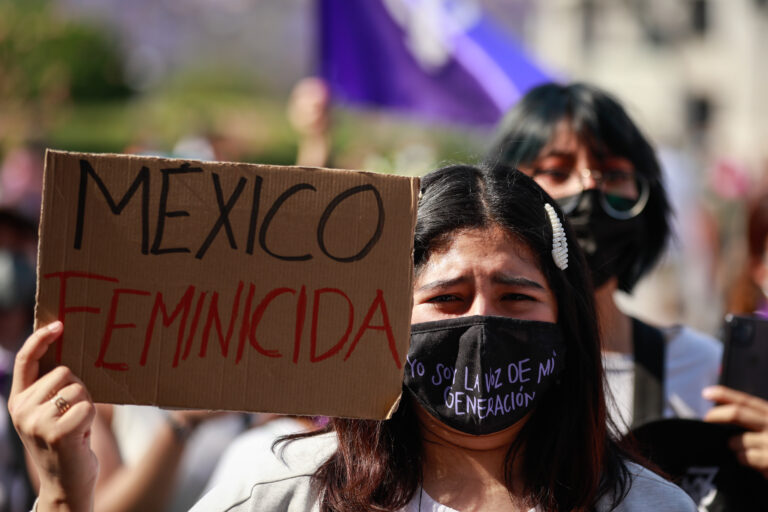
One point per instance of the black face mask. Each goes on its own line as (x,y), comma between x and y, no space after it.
(611,245)
(482,374)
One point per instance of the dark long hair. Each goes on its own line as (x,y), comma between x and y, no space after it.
(599,121)
(568,461)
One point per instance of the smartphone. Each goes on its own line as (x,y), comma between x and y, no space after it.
(745,355)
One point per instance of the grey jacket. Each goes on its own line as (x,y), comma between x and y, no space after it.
(284,485)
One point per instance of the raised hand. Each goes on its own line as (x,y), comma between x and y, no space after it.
(53,414)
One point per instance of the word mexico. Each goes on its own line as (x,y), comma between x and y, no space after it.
(226,285)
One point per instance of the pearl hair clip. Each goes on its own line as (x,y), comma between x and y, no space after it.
(559,243)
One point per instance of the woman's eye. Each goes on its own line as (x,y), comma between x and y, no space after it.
(617,176)
(552,175)
(517,296)
(443,298)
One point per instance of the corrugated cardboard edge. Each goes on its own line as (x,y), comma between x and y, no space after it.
(53,152)
(415,196)
(48,164)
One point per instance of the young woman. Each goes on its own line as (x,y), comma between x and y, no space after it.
(502,406)
(579,145)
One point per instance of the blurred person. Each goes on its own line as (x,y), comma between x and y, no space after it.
(21,180)
(749,293)
(18,233)
(242,456)
(308,114)
(498,280)
(685,286)
(154,459)
(579,144)
(195,147)
(18,240)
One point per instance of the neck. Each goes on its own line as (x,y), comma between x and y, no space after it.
(615,326)
(466,472)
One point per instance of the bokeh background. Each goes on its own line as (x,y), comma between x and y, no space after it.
(212,79)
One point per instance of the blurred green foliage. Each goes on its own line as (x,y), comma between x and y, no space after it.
(41,53)
(47,63)
(62,82)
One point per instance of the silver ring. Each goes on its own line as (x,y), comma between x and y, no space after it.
(61,404)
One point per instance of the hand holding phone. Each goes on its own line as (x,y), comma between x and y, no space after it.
(745,355)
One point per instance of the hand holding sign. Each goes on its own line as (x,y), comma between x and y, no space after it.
(53,414)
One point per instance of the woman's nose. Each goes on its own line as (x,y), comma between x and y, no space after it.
(484,306)
(589,179)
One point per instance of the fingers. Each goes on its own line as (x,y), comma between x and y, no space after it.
(726,395)
(65,400)
(43,390)
(27,365)
(751,448)
(750,441)
(51,383)
(78,418)
(55,407)
(737,415)
(737,408)
(65,417)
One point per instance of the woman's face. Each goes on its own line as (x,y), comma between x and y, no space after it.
(482,272)
(567,165)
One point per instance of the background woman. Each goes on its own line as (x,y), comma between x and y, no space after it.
(579,144)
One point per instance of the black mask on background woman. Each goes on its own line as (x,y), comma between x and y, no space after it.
(609,244)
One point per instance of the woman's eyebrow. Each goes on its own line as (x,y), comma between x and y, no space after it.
(442,283)
(501,278)
(615,159)
(556,153)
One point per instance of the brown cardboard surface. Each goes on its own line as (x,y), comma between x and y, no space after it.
(228,286)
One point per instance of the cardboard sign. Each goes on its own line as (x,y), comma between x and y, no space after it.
(228,286)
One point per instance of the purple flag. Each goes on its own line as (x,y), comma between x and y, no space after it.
(440,59)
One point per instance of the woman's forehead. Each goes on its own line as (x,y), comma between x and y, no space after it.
(486,246)
(567,139)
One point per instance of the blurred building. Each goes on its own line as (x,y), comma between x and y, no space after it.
(269,40)
(692,72)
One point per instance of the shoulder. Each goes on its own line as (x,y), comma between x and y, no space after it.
(649,491)
(279,481)
(684,335)
(237,461)
(292,493)
(692,347)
